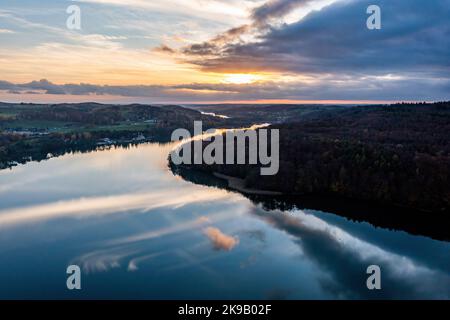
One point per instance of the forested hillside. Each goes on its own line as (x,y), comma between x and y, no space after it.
(396,155)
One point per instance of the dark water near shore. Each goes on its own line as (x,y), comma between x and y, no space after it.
(137,231)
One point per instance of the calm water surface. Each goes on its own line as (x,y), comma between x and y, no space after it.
(137,231)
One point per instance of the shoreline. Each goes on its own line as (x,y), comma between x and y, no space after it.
(239,185)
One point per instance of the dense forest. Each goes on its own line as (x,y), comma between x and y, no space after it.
(397,155)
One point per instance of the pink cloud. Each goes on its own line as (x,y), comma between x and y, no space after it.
(220,240)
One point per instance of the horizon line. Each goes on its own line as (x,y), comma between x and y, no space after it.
(234,102)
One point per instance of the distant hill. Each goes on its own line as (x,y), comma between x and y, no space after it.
(100,114)
(246,114)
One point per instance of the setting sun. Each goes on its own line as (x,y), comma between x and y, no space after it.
(240,78)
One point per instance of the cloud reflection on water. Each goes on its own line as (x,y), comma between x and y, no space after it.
(155,223)
(344,258)
(98,206)
(220,240)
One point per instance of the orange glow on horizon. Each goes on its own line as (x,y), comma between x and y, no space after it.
(49,98)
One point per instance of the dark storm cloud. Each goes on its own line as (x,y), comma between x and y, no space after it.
(415,38)
(218,43)
(202,49)
(260,17)
(275,9)
(46,87)
(328,88)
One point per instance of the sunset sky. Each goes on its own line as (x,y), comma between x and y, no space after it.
(202,51)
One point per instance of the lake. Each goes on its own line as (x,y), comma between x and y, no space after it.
(139,232)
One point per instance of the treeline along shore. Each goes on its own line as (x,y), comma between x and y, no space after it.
(394,155)
(35,132)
